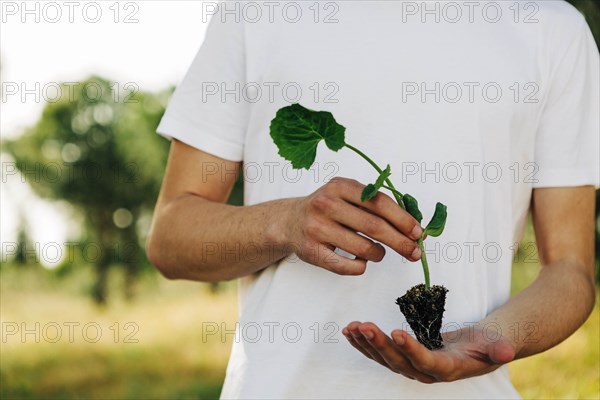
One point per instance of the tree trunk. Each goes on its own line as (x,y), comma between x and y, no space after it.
(101,223)
(99,290)
(131,276)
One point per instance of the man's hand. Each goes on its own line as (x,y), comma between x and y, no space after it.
(557,302)
(332,216)
(193,231)
(466,353)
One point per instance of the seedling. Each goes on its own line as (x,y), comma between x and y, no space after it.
(297,132)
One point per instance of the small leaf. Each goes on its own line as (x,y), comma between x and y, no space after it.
(368,192)
(297,131)
(383,176)
(371,189)
(438,221)
(412,206)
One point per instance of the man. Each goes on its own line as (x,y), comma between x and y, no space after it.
(490,108)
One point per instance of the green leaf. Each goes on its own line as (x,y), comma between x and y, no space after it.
(368,192)
(297,131)
(383,176)
(371,189)
(438,221)
(412,206)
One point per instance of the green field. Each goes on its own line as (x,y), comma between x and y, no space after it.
(170,358)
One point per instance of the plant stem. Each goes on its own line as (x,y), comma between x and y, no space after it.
(397,194)
(391,189)
(424,262)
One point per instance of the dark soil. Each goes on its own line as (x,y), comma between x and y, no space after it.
(424,310)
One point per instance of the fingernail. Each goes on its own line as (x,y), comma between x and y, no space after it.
(416,232)
(416,254)
(368,335)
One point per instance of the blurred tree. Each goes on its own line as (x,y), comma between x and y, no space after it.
(591,10)
(98,150)
(23,243)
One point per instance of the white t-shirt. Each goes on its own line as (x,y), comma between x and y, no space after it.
(473,104)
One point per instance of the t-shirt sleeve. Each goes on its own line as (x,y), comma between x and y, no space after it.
(205,110)
(568,138)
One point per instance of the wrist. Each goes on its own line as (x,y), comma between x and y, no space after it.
(279,223)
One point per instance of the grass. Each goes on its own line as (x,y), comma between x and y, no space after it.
(570,370)
(171,359)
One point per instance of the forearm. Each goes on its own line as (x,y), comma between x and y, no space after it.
(194,238)
(546,312)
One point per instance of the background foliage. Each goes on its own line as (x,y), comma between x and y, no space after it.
(102,156)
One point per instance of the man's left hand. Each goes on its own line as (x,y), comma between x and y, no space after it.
(467,352)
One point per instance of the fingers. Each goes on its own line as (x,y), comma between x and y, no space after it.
(374,227)
(322,256)
(389,351)
(354,343)
(374,344)
(358,341)
(440,365)
(419,356)
(382,205)
(455,361)
(347,240)
(379,218)
(405,355)
(333,216)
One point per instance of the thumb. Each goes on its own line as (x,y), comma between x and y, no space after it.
(501,351)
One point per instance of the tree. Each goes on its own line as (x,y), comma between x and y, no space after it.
(99,152)
(591,10)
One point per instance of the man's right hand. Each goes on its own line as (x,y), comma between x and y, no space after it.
(333,215)
(193,232)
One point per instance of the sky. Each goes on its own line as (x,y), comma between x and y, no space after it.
(148,43)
